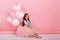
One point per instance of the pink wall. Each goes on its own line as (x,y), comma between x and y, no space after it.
(44,14)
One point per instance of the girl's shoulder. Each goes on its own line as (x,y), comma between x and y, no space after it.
(24,20)
(27,21)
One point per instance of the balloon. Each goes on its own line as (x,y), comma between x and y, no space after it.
(17,7)
(15,22)
(13,15)
(9,19)
(19,15)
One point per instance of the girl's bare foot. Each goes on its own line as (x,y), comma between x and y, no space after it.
(36,36)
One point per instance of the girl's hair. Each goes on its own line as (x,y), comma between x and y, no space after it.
(24,18)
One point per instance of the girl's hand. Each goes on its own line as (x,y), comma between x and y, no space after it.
(31,27)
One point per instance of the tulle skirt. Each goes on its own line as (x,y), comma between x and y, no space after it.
(24,31)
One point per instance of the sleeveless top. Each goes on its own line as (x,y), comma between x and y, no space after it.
(27,23)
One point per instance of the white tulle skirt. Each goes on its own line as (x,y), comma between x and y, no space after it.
(25,31)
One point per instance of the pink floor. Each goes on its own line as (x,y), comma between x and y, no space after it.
(44,37)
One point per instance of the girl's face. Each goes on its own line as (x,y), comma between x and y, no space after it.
(27,16)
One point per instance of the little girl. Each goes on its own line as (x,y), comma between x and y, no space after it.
(25,29)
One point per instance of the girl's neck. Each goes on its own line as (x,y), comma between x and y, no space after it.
(26,20)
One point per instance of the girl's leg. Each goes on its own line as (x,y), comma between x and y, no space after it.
(33,33)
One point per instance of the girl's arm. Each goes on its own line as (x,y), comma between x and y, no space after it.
(30,25)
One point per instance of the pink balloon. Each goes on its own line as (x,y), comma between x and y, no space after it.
(13,15)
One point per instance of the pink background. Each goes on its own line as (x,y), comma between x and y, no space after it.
(44,14)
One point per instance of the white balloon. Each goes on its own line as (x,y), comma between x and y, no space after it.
(9,19)
(17,7)
(15,22)
(19,15)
